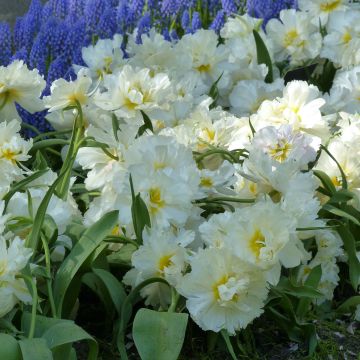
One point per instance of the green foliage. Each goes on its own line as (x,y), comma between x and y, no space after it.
(159,335)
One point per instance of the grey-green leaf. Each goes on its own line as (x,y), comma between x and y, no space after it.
(159,335)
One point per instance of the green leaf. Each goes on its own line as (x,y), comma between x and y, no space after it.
(34,236)
(350,248)
(123,256)
(68,333)
(147,124)
(312,280)
(42,324)
(48,143)
(35,349)
(286,286)
(22,184)
(338,212)
(311,337)
(263,56)
(97,286)
(88,242)
(115,126)
(326,181)
(113,286)
(40,162)
(341,196)
(214,92)
(343,176)
(9,348)
(229,346)
(349,305)
(139,212)
(126,312)
(159,335)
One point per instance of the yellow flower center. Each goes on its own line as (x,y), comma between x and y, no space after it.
(347,37)
(336,180)
(116,231)
(329,6)
(9,155)
(281,151)
(129,104)
(156,200)
(10,95)
(215,287)
(159,165)
(165,261)
(3,267)
(210,134)
(206,182)
(257,242)
(223,281)
(253,188)
(290,37)
(204,68)
(77,97)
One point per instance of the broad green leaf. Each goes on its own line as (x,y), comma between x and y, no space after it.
(42,323)
(339,212)
(349,305)
(311,337)
(299,291)
(312,280)
(350,248)
(123,256)
(68,333)
(35,349)
(97,286)
(9,348)
(341,196)
(113,286)
(159,335)
(263,56)
(326,181)
(88,242)
(126,312)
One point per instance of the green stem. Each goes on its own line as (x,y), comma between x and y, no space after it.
(121,240)
(224,199)
(75,144)
(50,133)
(175,296)
(30,127)
(34,303)
(214,152)
(48,280)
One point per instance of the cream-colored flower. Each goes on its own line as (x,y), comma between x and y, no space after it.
(223,292)
(19,85)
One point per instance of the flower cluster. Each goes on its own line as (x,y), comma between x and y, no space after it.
(50,36)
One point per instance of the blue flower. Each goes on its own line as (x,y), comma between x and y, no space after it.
(5,43)
(268,9)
